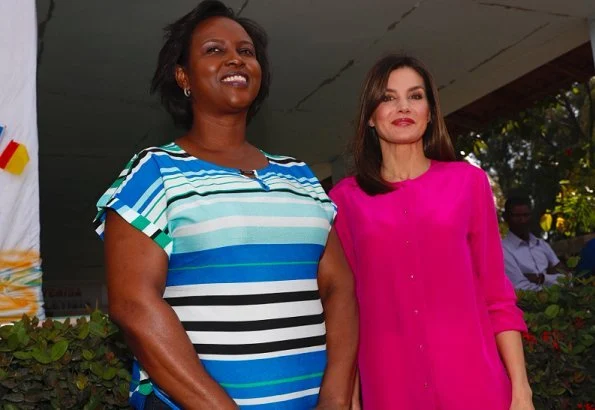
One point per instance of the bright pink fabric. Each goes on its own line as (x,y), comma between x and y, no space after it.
(431,288)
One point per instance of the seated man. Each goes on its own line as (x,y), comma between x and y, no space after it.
(530,262)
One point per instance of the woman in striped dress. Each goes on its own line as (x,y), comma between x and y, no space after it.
(223,271)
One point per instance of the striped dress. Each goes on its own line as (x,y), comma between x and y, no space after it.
(242,275)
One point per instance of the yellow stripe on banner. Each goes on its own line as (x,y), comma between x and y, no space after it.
(16,164)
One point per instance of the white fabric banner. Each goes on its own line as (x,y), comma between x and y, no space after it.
(20,264)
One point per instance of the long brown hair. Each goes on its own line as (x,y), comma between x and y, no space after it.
(366,147)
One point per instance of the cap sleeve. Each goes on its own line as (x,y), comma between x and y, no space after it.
(318,193)
(138,196)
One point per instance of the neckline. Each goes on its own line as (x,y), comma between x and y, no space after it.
(238,171)
(421,176)
(533,240)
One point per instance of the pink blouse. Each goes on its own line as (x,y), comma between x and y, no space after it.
(432,292)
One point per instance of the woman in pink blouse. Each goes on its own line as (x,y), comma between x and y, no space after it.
(439,325)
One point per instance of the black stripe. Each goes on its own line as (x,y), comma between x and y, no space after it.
(148,151)
(253,325)
(285,161)
(161,150)
(239,300)
(240,191)
(260,347)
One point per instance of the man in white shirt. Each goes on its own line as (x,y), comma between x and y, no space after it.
(530,262)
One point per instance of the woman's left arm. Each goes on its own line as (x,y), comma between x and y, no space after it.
(335,282)
(505,317)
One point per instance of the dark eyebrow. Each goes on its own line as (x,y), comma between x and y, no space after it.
(213,40)
(244,42)
(220,41)
(417,87)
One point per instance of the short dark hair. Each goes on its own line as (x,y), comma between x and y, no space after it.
(175,51)
(516,201)
(366,147)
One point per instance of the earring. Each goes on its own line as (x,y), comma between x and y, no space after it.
(187,92)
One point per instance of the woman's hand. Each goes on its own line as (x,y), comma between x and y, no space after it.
(522,399)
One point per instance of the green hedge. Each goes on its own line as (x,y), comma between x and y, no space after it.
(63,366)
(559,346)
(86,365)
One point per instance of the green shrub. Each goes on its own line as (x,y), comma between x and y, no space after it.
(559,346)
(86,365)
(60,365)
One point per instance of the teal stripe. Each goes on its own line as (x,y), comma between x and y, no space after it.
(160,200)
(250,236)
(271,382)
(263,209)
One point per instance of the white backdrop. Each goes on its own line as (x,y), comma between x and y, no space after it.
(20,265)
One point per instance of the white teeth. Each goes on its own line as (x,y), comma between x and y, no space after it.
(235,78)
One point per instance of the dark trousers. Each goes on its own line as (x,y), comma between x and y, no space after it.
(153,403)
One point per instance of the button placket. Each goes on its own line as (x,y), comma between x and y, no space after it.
(415,287)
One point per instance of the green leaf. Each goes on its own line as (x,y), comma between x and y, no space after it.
(42,356)
(92,404)
(97,316)
(557,390)
(13,342)
(109,373)
(124,374)
(88,355)
(6,331)
(552,311)
(587,339)
(58,350)
(578,349)
(21,355)
(84,331)
(81,381)
(572,261)
(97,329)
(97,369)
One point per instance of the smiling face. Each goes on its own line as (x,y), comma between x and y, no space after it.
(222,72)
(404,112)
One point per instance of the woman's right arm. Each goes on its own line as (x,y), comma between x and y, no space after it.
(136,272)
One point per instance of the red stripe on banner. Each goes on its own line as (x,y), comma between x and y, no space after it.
(8,153)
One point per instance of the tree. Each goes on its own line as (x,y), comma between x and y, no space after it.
(547,152)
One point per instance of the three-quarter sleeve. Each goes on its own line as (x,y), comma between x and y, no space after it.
(138,196)
(488,260)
